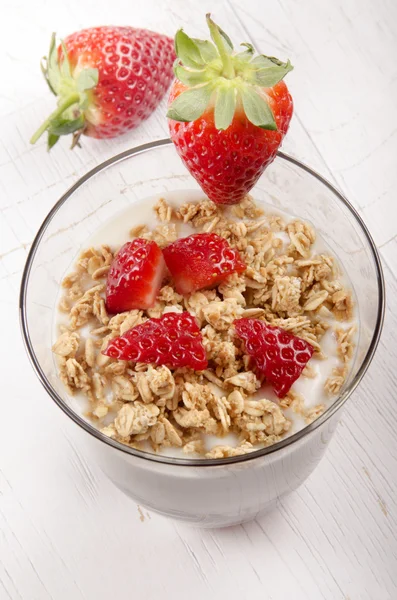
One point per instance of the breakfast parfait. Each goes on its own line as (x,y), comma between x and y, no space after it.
(216,325)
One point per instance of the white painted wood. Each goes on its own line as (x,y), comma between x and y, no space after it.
(65,531)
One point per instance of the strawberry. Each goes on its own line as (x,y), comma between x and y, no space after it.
(135,276)
(228,113)
(201,260)
(106,79)
(279,355)
(173,340)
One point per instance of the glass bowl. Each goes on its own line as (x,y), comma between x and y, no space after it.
(206,492)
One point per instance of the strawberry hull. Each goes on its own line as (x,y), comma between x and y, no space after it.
(227,164)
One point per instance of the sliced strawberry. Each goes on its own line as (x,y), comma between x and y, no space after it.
(135,276)
(279,355)
(200,261)
(173,340)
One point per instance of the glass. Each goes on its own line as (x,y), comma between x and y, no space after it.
(154,169)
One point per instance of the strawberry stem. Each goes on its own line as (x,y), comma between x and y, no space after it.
(70,100)
(228,69)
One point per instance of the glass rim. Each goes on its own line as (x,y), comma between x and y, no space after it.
(197,462)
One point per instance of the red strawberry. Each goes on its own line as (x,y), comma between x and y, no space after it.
(279,356)
(107,80)
(201,260)
(228,113)
(174,340)
(135,276)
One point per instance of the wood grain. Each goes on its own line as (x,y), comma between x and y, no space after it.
(65,531)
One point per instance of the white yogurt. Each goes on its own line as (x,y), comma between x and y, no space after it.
(117,231)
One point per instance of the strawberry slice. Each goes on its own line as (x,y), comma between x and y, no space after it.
(279,355)
(173,340)
(135,276)
(200,261)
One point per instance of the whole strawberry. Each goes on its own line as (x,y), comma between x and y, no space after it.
(106,79)
(228,113)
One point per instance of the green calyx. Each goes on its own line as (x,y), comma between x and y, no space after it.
(73,93)
(217,76)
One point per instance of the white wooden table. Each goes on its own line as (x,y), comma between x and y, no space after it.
(65,532)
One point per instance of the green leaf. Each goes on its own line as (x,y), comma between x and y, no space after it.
(245,55)
(191,104)
(65,65)
(64,126)
(51,140)
(224,47)
(187,51)
(51,68)
(266,71)
(262,61)
(268,77)
(257,109)
(87,79)
(221,39)
(207,50)
(249,47)
(191,78)
(64,104)
(225,105)
(228,42)
(44,70)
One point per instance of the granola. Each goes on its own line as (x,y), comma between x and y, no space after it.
(285,284)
